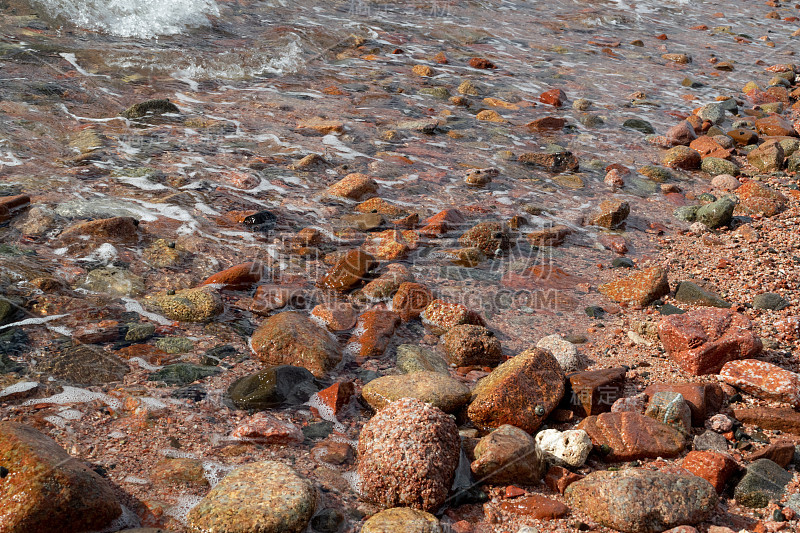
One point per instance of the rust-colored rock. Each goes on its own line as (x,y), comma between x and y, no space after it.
(374,330)
(775,126)
(640,288)
(491,237)
(238,278)
(536,507)
(349,271)
(481,63)
(354,186)
(546,124)
(594,391)
(786,420)
(271,297)
(612,213)
(553,97)
(440,316)
(631,436)
(442,222)
(264,428)
(116,230)
(336,315)
(410,300)
(714,467)
(291,338)
(703,340)
(558,478)
(45,489)
(781,452)
(703,399)
(763,380)
(520,392)
(336,397)
(708,147)
(756,197)
(467,344)
(552,236)
(551,161)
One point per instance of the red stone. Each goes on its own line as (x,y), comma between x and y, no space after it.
(775,125)
(263,428)
(238,278)
(337,396)
(781,452)
(682,133)
(536,507)
(9,204)
(615,243)
(703,340)
(377,327)
(708,147)
(481,63)
(759,198)
(554,97)
(631,436)
(787,420)
(559,478)
(546,124)
(763,380)
(513,491)
(714,467)
(640,288)
(410,300)
(442,222)
(594,391)
(349,271)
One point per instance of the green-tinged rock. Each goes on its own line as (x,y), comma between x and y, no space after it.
(402,520)
(174,344)
(200,304)
(656,173)
(643,501)
(113,280)
(764,481)
(716,166)
(215,355)
(440,93)
(139,332)
(691,293)
(265,497)
(411,358)
(671,409)
(162,253)
(716,214)
(150,107)
(181,374)
(768,157)
(437,389)
(687,213)
(45,489)
(277,386)
(639,125)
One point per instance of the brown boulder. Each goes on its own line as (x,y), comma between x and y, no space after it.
(714,467)
(594,391)
(756,197)
(349,271)
(703,340)
(291,338)
(508,455)
(781,419)
(237,278)
(45,489)
(521,392)
(467,344)
(631,436)
(410,300)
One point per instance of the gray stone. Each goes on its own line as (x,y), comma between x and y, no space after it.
(85,364)
(710,440)
(277,386)
(716,166)
(564,351)
(769,300)
(713,112)
(716,214)
(691,293)
(181,374)
(113,280)
(97,208)
(764,481)
(670,408)
(639,125)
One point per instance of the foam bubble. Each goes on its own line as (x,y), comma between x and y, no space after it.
(126,520)
(22,386)
(182,506)
(77,395)
(325,412)
(354,480)
(318,320)
(214,472)
(176,454)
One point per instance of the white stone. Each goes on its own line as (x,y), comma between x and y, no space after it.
(564,448)
(720,423)
(564,351)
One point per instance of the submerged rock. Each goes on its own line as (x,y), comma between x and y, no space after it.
(150,107)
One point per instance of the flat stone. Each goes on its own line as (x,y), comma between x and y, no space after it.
(522,392)
(710,440)
(434,388)
(770,300)
(764,481)
(643,501)
(763,380)
(780,452)
(640,288)
(85,364)
(264,497)
(273,387)
(703,340)
(631,436)
(781,419)
(181,374)
(263,428)
(691,293)
(291,338)
(113,280)
(411,358)
(45,489)
(508,455)
(536,507)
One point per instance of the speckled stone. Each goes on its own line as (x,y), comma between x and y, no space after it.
(763,380)
(640,288)
(491,237)
(631,436)
(200,304)
(467,344)
(402,520)
(508,455)
(411,358)
(755,197)
(612,213)
(408,453)
(85,364)
(565,448)
(712,466)
(671,409)
(113,280)
(434,388)
(440,316)
(564,351)
(265,497)
(764,481)
(642,501)
(47,490)
(522,392)
(291,338)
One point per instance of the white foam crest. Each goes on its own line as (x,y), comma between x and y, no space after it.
(214,472)
(325,412)
(182,506)
(354,480)
(127,520)
(143,19)
(352,349)
(33,321)
(22,386)
(176,454)
(56,420)
(318,320)
(71,395)
(136,307)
